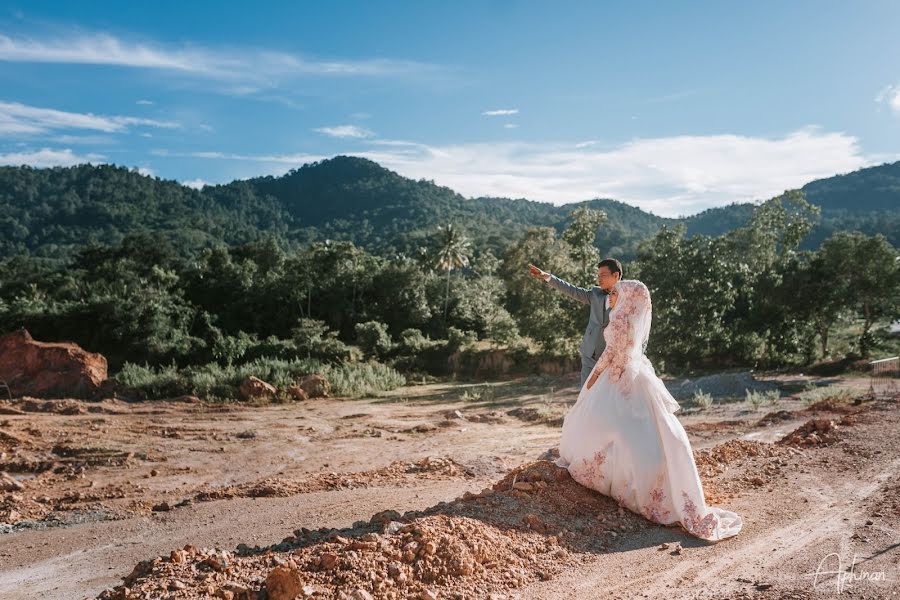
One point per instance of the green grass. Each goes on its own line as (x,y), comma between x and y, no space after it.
(702,399)
(757,399)
(815,394)
(214,381)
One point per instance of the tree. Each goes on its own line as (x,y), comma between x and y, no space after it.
(866,271)
(581,235)
(452,253)
(542,313)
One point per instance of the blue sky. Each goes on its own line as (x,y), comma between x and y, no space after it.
(673,107)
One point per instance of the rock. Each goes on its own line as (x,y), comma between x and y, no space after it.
(217,562)
(297,393)
(283,583)
(162,507)
(393,527)
(535,523)
(49,369)
(9,483)
(328,560)
(428,595)
(253,387)
(315,385)
(524,486)
(362,594)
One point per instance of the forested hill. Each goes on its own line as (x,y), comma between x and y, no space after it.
(53,211)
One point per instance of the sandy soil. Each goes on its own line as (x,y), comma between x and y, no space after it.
(94,489)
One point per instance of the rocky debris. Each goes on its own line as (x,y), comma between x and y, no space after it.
(59,407)
(527,527)
(421,428)
(9,483)
(491,416)
(812,433)
(49,369)
(456,555)
(297,393)
(91,455)
(253,387)
(315,385)
(719,385)
(773,418)
(838,404)
(537,415)
(395,473)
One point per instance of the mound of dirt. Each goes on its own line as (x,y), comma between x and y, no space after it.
(773,418)
(719,385)
(528,526)
(812,433)
(537,415)
(394,473)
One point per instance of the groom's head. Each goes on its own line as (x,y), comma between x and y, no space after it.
(609,272)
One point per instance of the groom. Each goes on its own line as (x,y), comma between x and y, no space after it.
(609,272)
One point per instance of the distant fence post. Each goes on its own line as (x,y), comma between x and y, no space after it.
(883,376)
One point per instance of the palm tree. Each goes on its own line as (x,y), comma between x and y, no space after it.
(453,253)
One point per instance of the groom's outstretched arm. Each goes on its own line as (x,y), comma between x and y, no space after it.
(578,293)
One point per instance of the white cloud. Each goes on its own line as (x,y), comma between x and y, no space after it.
(197,184)
(16,118)
(890,96)
(145,102)
(669,176)
(345,131)
(510,126)
(47,157)
(501,112)
(146,171)
(226,64)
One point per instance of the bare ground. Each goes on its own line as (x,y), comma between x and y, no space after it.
(94,489)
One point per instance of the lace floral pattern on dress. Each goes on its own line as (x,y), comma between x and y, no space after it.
(621,341)
(654,510)
(700,526)
(589,471)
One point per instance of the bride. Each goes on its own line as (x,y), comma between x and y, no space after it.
(621,437)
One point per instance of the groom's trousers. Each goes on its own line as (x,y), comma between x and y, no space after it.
(587,365)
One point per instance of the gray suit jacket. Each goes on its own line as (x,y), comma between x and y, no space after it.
(593,343)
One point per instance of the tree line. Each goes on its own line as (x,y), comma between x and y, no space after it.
(747,297)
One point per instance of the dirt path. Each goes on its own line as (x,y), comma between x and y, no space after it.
(149,478)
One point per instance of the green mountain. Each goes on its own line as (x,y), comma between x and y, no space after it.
(51,212)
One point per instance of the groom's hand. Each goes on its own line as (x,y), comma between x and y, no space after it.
(537,273)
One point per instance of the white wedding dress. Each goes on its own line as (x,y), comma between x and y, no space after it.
(622,439)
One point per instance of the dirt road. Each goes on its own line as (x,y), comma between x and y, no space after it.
(99,487)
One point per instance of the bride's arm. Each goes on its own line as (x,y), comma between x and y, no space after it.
(616,352)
